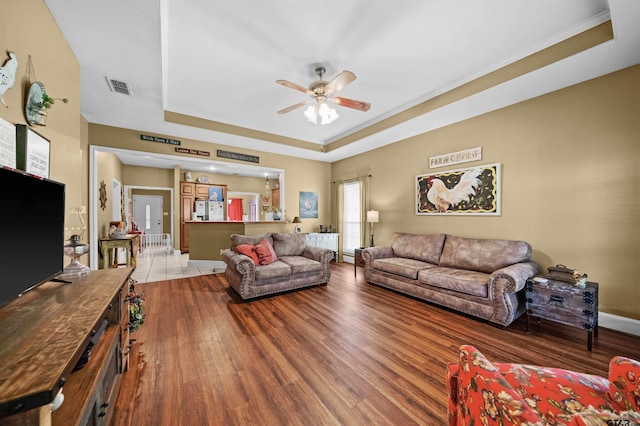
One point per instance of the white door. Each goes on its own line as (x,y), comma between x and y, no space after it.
(147,213)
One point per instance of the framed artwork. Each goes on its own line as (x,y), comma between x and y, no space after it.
(470,191)
(32,151)
(7,144)
(215,193)
(308,205)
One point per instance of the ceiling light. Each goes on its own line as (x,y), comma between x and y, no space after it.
(321,113)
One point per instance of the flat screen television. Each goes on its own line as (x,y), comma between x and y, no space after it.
(31,232)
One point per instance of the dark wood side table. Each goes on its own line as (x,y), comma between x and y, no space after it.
(564,303)
(357,260)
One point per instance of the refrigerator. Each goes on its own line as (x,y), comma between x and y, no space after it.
(215,211)
(200,210)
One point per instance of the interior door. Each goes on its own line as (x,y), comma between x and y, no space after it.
(147,213)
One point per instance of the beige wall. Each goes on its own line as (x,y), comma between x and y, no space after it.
(147,176)
(55,65)
(570,175)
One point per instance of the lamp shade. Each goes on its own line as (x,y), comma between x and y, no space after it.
(296,220)
(372,216)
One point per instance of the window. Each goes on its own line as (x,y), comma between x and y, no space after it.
(352,215)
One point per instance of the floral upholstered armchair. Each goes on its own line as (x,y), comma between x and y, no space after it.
(485,393)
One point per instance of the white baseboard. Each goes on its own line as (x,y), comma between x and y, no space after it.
(616,322)
(212,264)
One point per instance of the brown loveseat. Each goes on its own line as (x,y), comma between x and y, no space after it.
(297,265)
(482,278)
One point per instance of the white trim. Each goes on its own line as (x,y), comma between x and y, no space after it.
(619,323)
(213,264)
(93,212)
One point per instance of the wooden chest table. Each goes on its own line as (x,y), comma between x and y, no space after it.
(564,303)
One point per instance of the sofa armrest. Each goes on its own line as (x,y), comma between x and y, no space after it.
(624,383)
(241,263)
(371,253)
(319,254)
(512,278)
(483,393)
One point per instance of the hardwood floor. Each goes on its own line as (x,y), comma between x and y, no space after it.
(348,353)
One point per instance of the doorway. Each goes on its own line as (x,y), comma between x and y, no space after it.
(147,213)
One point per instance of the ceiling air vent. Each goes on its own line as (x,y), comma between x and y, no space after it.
(119,86)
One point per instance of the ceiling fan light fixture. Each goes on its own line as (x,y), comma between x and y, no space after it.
(321,113)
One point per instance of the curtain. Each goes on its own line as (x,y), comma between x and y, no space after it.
(235,209)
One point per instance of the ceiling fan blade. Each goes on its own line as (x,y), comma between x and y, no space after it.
(296,106)
(351,103)
(341,80)
(294,86)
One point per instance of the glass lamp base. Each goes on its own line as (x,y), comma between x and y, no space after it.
(75,268)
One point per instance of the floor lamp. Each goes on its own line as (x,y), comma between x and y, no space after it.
(372,217)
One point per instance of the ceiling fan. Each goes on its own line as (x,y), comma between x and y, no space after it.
(322,91)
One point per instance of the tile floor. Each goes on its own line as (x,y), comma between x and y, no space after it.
(157,264)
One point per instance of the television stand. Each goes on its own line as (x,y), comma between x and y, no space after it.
(45,333)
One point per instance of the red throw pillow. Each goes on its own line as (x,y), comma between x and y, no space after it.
(265,252)
(248,250)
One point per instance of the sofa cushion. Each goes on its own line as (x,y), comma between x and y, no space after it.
(248,250)
(483,255)
(467,282)
(408,268)
(562,393)
(237,239)
(289,244)
(265,252)
(300,264)
(276,269)
(426,248)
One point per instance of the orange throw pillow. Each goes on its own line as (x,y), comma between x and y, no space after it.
(248,250)
(265,252)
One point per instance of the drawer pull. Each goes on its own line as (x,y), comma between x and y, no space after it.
(556,299)
(588,297)
(587,313)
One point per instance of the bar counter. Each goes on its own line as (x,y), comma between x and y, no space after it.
(207,239)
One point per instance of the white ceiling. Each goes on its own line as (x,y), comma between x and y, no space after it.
(219,60)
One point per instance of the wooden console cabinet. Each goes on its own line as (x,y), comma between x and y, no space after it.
(46,332)
(564,303)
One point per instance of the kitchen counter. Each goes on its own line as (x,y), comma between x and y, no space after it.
(207,239)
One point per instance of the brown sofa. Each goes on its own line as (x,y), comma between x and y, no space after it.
(298,265)
(481,277)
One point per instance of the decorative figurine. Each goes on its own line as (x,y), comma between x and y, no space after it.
(8,76)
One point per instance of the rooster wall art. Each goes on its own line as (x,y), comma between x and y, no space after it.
(466,191)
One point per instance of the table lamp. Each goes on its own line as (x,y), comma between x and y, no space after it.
(297,228)
(372,217)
